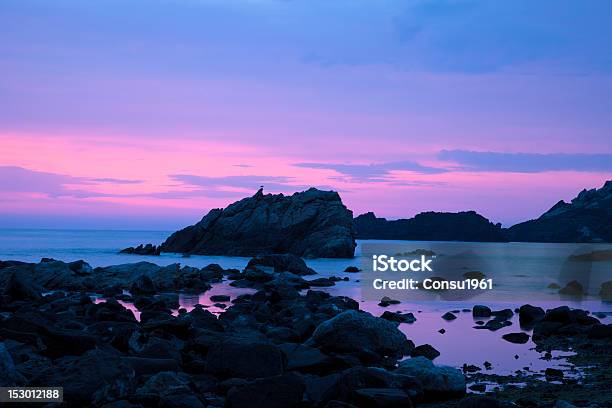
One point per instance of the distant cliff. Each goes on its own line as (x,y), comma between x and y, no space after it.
(431,226)
(312,224)
(588,218)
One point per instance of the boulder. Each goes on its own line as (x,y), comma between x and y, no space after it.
(382,398)
(355,331)
(283,391)
(573,288)
(479,401)
(438,382)
(281,263)
(481,311)
(90,379)
(9,376)
(245,358)
(398,317)
(530,314)
(312,224)
(517,338)
(425,350)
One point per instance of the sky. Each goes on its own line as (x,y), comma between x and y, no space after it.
(147,114)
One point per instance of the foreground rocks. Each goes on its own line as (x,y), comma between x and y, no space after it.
(313,224)
(275,347)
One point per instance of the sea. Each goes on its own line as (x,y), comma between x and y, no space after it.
(517,283)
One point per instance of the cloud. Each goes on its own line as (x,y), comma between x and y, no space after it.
(243,182)
(371,173)
(527,162)
(22,180)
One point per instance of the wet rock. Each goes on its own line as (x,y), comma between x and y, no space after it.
(600,331)
(387,301)
(321,282)
(165,383)
(95,376)
(504,314)
(517,338)
(343,386)
(18,284)
(382,398)
(449,316)
(553,286)
(306,359)
(353,331)
(528,314)
(553,374)
(470,368)
(479,387)
(441,331)
(281,263)
(245,358)
(481,311)
(573,288)
(352,269)
(80,267)
(426,351)
(144,285)
(9,376)
(479,401)
(283,391)
(494,325)
(438,382)
(398,317)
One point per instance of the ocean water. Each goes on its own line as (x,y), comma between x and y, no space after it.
(519,283)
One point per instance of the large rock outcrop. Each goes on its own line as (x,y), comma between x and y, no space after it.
(587,218)
(431,226)
(312,224)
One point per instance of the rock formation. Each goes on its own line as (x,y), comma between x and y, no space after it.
(430,226)
(311,224)
(587,218)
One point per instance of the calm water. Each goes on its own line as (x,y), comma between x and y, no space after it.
(460,344)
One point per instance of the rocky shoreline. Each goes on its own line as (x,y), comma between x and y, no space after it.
(283,345)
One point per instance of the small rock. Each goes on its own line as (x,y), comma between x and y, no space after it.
(481,311)
(387,301)
(352,269)
(449,316)
(426,351)
(517,338)
(574,288)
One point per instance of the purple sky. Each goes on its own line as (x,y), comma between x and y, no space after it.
(131,114)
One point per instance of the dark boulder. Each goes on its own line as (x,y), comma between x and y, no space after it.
(96,376)
(354,331)
(530,314)
(517,338)
(312,224)
(398,317)
(481,311)
(439,382)
(425,350)
(245,358)
(281,263)
(283,391)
